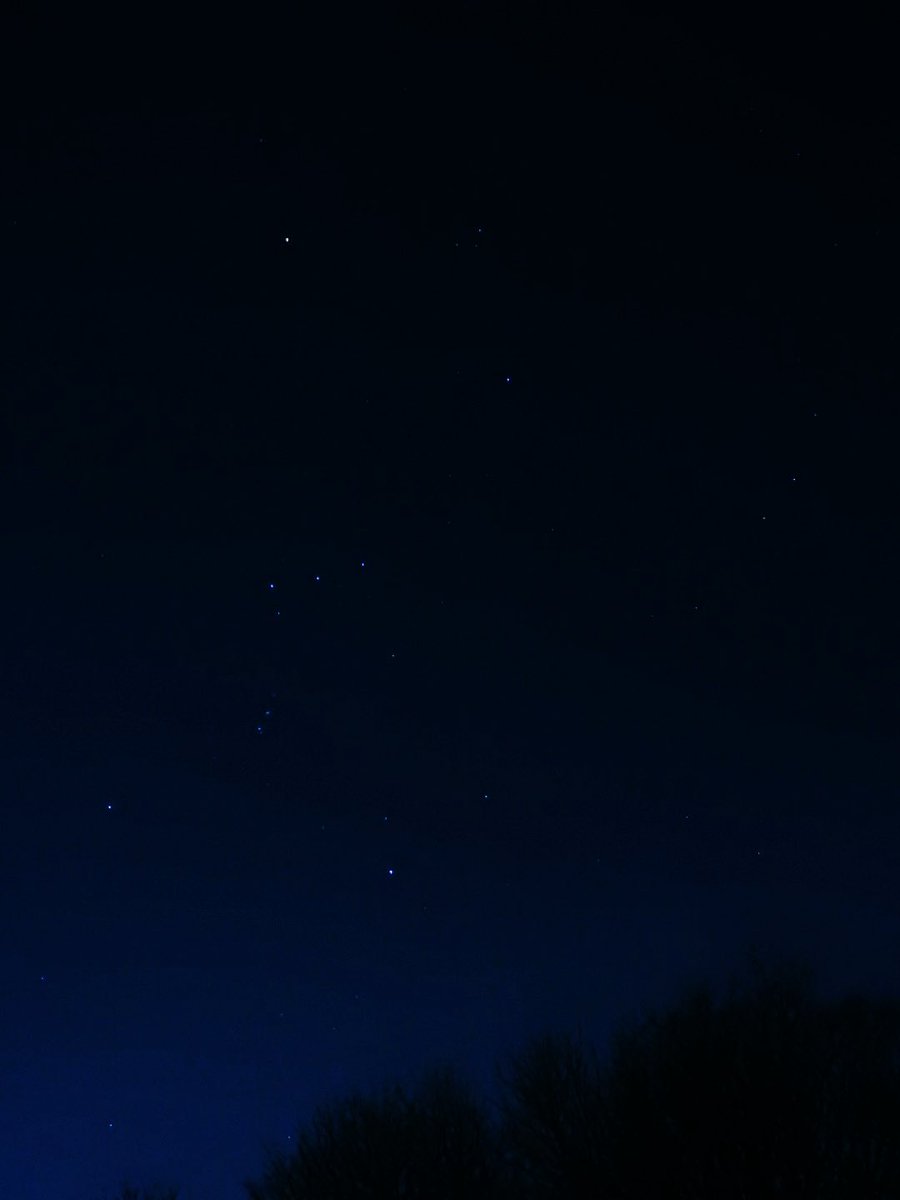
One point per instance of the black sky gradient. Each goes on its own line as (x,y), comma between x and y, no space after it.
(449,532)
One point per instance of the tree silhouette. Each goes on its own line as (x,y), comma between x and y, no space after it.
(455,1151)
(554,1119)
(435,1143)
(769,1092)
(765,1092)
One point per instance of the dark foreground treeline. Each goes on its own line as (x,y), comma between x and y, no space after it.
(765,1091)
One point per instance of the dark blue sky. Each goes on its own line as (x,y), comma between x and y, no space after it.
(547,370)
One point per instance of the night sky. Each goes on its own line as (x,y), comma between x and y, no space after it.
(449,539)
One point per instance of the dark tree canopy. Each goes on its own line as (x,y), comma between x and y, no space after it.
(436,1142)
(764,1090)
(554,1117)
